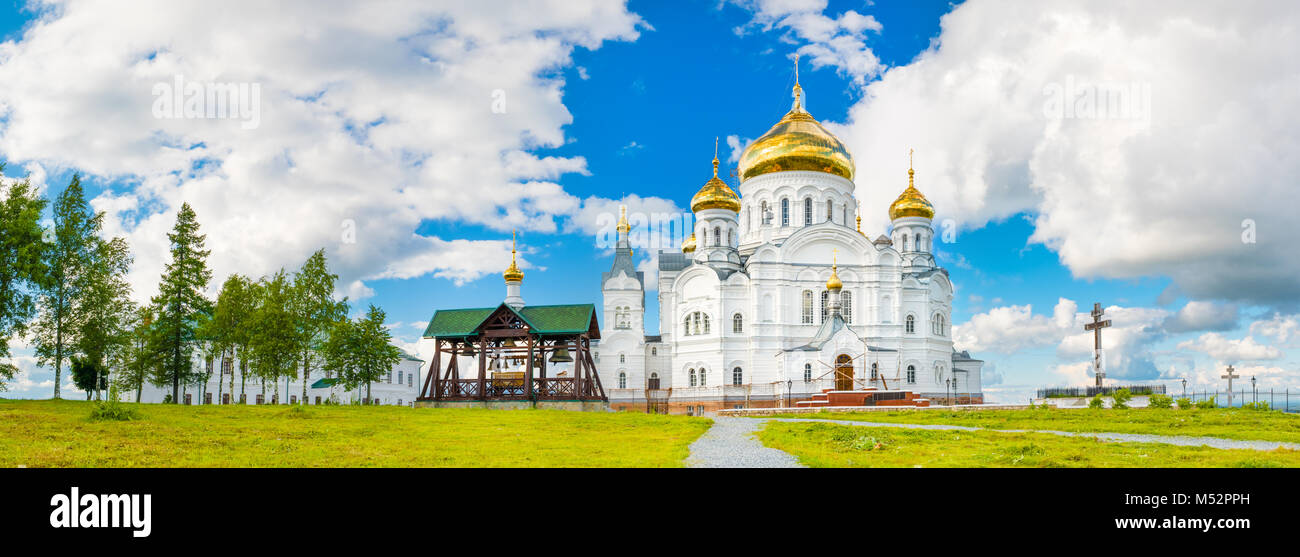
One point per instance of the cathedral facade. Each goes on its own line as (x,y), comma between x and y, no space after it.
(778,294)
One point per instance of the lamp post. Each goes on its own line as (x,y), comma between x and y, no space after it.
(1254,394)
(789,386)
(1184,387)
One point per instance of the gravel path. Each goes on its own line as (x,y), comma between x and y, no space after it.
(1213,442)
(730,443)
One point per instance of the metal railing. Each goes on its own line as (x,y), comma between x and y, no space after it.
(1068,392)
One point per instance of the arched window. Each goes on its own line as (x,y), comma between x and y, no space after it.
(692,374)
(807,307)
(875,371)
(706,323)
(826,304)
(807,373)
(731,240)
(830,206)
(696,328)
(846,306)
(846,214)
(939,324)
(785,211)
(911,324)
(807,211)
(622,358)
(765,215)
(717,236)
(911,374)
(737,324)
(701,377)
(622,380)
(686,326)
(905,242)
(737,377)
(654,350)
(653,382)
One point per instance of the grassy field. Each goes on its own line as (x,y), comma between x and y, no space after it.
(59,434)
(839,446)
(1219,422)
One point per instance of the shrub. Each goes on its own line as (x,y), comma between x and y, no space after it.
(1096,402)
(1121,397)
(1161,401)
(113,409)
(1184,403)
(1261,405)
(1207,404)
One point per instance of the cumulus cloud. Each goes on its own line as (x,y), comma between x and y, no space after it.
(1010,329)
(373,118)
(839,42)
(1228,350)
(1203,316)
(1279,328)
(1163,164)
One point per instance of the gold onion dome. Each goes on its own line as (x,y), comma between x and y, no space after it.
(911,203)
(623,226)
(513,274)
(797,142)
(688,245)
(834,283)
(715,194)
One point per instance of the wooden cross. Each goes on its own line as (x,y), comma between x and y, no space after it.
(1230,376)
(1096,326)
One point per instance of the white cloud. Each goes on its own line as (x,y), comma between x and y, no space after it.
(1010,329)
(1203,316)
(1228,350)
(839,42)
(1161,195)
(373,115)
(1279,328)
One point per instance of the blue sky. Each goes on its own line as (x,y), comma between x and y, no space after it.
(641,103)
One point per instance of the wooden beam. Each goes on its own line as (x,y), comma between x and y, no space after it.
(482,368)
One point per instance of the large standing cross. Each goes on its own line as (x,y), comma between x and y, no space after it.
(1096,326)
(1230,376)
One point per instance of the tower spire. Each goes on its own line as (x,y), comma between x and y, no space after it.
(715,156)
(798,89)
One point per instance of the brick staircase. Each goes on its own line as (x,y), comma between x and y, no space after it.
(865,397)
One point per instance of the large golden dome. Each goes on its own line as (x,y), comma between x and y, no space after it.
(715,194)
(911,203)
(797,142)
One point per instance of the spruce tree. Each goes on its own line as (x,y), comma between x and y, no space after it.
(180,304)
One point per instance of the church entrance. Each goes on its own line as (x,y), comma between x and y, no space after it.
(843,373)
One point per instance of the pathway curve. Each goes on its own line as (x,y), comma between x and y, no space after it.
(730,443)
(1213,442)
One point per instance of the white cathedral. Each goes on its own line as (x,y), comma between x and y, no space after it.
(777,295)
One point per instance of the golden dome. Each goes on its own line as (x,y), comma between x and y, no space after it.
(715,194)
(623,226)
(797,142)
(688,246)
(834,283)
(911,203)
(513,274)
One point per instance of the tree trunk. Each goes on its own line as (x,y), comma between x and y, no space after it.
(306,372)
(221,376)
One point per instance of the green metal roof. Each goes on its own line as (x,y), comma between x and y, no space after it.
(324,383)
(543,320)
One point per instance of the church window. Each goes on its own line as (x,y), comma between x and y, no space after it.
(717,236)
(706,324)
(807,211)
(905,242)
(765,215)
(737,377)
(939,325)
(830,206)
(807,373)
(737,324)
(846,306)
(911,374)
(692,374)
(622,380)
(701,377)
(696,329)
(785,212)
(654,350)
(846,214)
(911,324)
(826,304)
(622,358)
(686,326)
(807,307)
(875,371)
(653,383)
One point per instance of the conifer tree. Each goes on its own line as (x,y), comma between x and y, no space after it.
(180,304)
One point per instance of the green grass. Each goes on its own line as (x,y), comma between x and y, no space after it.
(60,434)
(840,446)
(1219,422)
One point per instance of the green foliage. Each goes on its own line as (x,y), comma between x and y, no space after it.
(113,409)
(361,352)
(1260,405)
(104,335)
(1207,404)
(1184,403)
(314,310)
(22,264)
(1121,399)
(88,375)
(180,305)
(1096,402)
(274,342)
(68,261)
(229,329)
(1160,401)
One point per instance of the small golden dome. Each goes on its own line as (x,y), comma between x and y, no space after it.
(797,142)
(688,246)
(911,203)
(715,194)
(513,274)
(834,283)
(623,226)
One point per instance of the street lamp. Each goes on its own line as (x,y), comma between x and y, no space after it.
(1254,394)
(1184,387)
(789,386)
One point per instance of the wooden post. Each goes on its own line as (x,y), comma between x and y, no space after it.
(528,375)
(434,370)
(577,370)
(482,368)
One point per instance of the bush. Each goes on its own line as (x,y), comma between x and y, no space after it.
(1207,404)
(1184,403)
(113,409)
(1096,402)
(1121,397)
(1161,401)
(1261,405)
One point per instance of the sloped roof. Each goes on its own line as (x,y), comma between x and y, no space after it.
(324,383)
(542,320)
